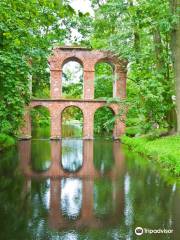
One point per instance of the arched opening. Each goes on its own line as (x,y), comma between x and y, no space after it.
(104,80)
(71,198)
(40,78)
(72,122)
(40,122)
(72,148)
(104,120)
(72,79)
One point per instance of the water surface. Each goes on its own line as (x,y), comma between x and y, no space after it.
(78,189)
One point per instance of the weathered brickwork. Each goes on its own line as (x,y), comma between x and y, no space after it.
(88,59)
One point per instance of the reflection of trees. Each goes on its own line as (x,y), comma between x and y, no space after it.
(148,199)
(103,202)
(14,208)
(148,202)
(40,155)
(103,155)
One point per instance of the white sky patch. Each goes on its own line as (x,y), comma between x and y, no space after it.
(83,6)
(74,71)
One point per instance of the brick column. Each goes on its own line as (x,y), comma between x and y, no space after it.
(119,129)
(88,87)
(56,83)
(25,131)
(55,123)
(119,86)
(88,122)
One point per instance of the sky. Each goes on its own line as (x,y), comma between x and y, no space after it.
(83,6)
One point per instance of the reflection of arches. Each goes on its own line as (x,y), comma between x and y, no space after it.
(104,120)
(73,117)
(40,121)
(72,78)
(71,197)
(40,156)
(72,155)
(86,218)
(87,170)
(104,79)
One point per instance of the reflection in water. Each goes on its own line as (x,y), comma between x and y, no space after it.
(72,154)
(88,204)
(103,160)
(41,155)
(71,197)
(103,198)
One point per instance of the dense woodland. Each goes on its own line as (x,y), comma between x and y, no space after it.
(145,33)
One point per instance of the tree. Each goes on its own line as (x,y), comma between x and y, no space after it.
(28,31)
(175,47)
(139,31)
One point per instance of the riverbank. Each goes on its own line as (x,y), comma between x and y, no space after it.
(6,141)
(165,150)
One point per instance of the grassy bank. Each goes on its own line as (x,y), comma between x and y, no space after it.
(164,150)
(6,141)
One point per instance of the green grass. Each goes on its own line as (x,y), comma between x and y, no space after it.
(6,141)
(165,150)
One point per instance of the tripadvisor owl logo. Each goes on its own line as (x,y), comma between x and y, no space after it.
(139,231)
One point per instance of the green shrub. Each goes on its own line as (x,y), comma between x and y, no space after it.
(6,141)
(164,150)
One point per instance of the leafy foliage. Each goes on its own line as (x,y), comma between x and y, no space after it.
(103,121)
(27,32)
(164,150)
(139,31)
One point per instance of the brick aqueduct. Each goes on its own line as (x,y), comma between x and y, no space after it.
(56,104)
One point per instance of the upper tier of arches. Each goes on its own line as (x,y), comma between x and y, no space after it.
(88,59)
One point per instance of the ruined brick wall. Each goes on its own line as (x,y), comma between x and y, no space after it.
(88,59)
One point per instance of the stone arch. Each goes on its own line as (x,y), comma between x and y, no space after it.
(74,59)
(72,78)
(72,106)
(119,83)
(107,60)
(109,108)
(43,106)
(104,78)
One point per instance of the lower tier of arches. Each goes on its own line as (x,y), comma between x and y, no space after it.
(56,108)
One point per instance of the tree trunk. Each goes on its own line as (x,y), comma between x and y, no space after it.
(158,50)
(175,46)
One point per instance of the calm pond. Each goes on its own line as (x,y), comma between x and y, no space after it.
(77,189)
